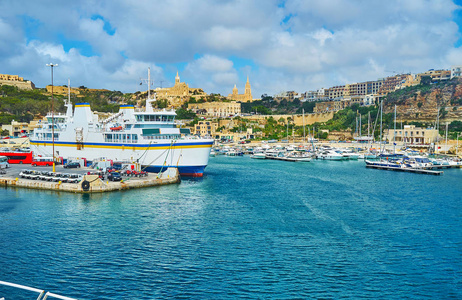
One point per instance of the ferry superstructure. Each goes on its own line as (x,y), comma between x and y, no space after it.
(148,137)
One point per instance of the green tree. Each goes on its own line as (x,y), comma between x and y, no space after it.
(183,114)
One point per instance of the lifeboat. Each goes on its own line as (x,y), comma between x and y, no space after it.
(116,128)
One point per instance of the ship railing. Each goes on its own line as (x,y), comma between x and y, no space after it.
(56,115)
(42,294)
(113,117)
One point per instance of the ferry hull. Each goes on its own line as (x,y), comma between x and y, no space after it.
(190,156)
(188,171)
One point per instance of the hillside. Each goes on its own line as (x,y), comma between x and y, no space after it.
(24,106)
(419,103)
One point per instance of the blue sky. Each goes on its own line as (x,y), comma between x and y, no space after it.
(281,45)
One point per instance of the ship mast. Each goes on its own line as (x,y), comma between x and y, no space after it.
(68,103)
(149,82)
(148,100)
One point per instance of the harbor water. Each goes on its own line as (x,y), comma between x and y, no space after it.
(255,229)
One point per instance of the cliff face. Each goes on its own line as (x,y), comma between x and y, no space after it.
(419,103)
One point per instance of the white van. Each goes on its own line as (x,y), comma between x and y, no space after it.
(4,162)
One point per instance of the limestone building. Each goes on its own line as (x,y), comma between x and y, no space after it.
(16,81)
(62,90)
(178,93)
(392,83)
(216,109)
(205,128)
(328,106)
(412,135)
(456,71)
(18,129)
(246,97)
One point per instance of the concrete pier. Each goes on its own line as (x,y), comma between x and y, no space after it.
(93,184)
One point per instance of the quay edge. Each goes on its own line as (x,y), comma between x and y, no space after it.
(95,184)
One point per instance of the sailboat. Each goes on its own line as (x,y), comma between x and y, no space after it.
(359,137)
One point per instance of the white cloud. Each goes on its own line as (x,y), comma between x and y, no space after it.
(217,72)
(221,38)
(212,63)
(306,44)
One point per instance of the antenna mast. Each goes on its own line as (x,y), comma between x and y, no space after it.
(69,90)
(149,82)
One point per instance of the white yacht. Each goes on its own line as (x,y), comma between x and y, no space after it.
(331,155)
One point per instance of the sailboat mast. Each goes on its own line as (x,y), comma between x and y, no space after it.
(446,137)
(368,123)
(356,127)
(381,139)
(394,133)
(303,110)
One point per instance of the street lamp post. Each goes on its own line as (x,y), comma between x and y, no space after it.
(52,115)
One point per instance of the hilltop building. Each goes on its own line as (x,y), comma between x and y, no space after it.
(180,89)
(246,97)
(456,71)
(287,95)
(318,95)
(64,90)
(16,81)
(179,93)
(435,75)
(216,109)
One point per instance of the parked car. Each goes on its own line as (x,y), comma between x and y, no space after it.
(114,176)
(57,177)
(65,177)
(25,173)
(74,178)
(34,175)
(48,176)
(72,164)
(42,175)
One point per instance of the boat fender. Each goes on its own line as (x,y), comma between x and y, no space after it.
(85,185)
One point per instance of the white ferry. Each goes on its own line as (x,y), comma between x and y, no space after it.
(149,138)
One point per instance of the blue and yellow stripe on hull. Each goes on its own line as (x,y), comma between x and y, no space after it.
(189,171)
(122,146)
